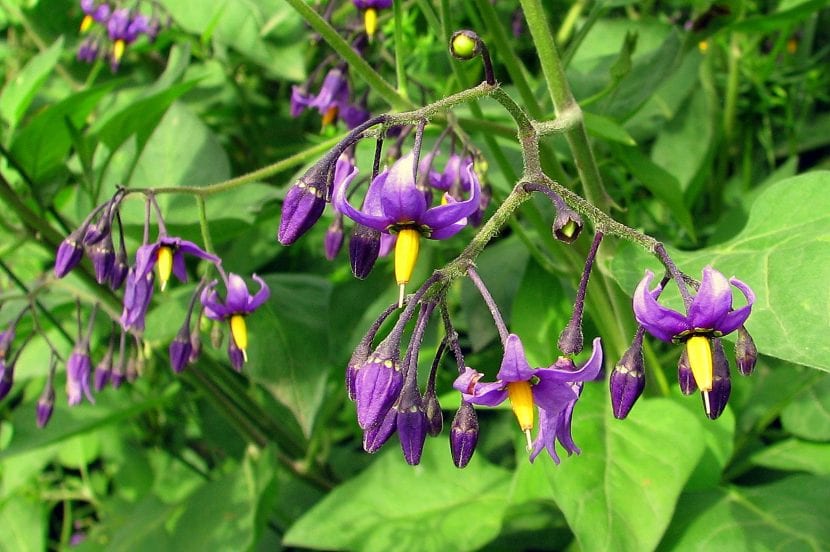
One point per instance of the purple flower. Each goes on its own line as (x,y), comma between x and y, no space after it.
(332,101)
(99,13)
(376,4)
(709,315)
(168,254)
(237,304)
(370,15)
(554,390)
(393,204)
(78,370)
(138,292)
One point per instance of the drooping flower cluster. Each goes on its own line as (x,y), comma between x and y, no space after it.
(111,27)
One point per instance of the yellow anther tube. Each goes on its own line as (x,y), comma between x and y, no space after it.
(86,23)
(164,264)
(699,352)
(521,400)
(118,50)
(406,254)
(370,20)
(239,333)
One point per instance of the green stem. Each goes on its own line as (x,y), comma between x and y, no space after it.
(204,226)
(563,100)
(400,53)
(356,63)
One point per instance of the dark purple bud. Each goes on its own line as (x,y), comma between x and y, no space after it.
(628,379)
(378,384)
(88,50)
(411,423)
(118,375)
(180,350)
(464,435)
(746,354)
(102,255)
(432,410)
(334,238)
(45,405)
(364,247)
(120,268)
(6,378)
(684,375)
(714,402)
(570,340)
(567,225)
(377,435)
(235,355)
(302,206)
(103,370)
(70,253)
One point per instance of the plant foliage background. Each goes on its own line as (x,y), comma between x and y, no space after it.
(713,137)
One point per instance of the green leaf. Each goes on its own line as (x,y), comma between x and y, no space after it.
(394,506)
(42,145)
(620,493)
(289,343)
(604,127)
(808,415)
(786,515)
(783,254)
(662,184)
(795,455)
(18,94)
(23,520)
(778,20)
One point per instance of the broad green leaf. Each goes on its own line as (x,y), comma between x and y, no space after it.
(265,31)
(133,526)
(394,506)
(789,514)
(604,127)
(783,254)
(808,415)
(42,145)
(501,267)
(718,436)
(621,492)
(289,337)
(18,94)
(662,184)
(22,518)
(795,455)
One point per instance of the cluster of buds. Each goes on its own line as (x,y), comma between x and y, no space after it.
(397,208)
(110,27)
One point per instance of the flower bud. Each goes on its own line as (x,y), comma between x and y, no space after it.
(334,238)
(77,376)
(411,423)
(464,44)
(364,247)
(102,255)
(6,378)
(103,369)
(378,384)
(180,350)
(235,355)
(45,405)
(70,252)
(432,410)
(303,205)
(684,374)
(746,354)
(120,267)
(567,225)
(377,435)
(464,435)
(628,379)
(715,403)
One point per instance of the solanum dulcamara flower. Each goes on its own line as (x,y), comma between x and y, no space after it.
(710,315)
(238,303)
(167,255)
(554,390)
(332,101)
(394,205)
(370,13)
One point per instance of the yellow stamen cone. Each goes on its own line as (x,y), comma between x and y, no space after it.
(406,254)
(86,23)
(330,115)
(521,400)
(164,264)
(239,334)
(118,50)
(699,352)
(370,21)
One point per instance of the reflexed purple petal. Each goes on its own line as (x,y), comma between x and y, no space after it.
(553,396)
(333,92)
(661,322)
(236,300)
(736,318)
(366,217)
(400,198)
(214,308)
(712,302)
(445,215)
(344,172)
(179,268)
(546,437)
(514,365)
(476,392)
(353,115)
(563,424)
(255,301)
(146,257)
(190,248)
(299,101)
